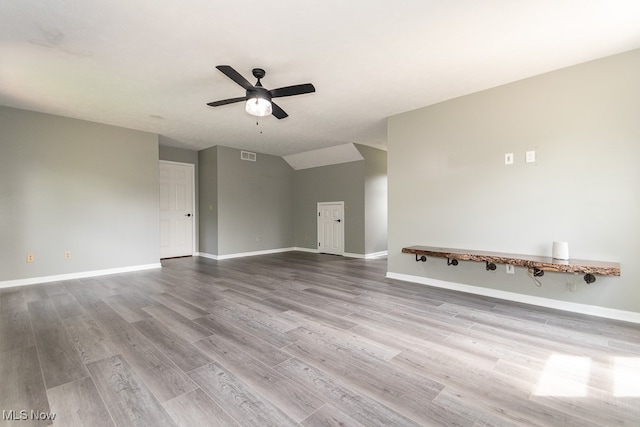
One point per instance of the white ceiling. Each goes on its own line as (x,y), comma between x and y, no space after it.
(150,65)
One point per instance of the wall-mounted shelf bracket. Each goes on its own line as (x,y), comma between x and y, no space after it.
(421,258)
(589,278)
(537,272)
(490,266)
(452,261)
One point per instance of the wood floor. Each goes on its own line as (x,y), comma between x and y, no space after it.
(303,339)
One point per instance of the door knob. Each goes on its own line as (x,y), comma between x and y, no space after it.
(188,214)
(338,220)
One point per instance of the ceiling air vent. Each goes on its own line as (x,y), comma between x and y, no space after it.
(247,155)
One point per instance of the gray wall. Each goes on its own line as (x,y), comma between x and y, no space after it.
(375,198)
(175,154)
(182,155)
(72,185)
(208,199)
(343,182)
(448,185)
(245,206)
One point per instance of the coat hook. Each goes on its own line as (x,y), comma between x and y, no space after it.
(452,261)
(490,266)
(422,258)
(589,278)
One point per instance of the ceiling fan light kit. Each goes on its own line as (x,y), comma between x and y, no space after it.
(259,107)
(258,99)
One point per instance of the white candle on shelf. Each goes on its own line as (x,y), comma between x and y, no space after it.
(560,250)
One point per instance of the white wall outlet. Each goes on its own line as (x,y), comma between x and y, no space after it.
(510,269)
(530,156)
(31,257)
(508,159)
(67,255)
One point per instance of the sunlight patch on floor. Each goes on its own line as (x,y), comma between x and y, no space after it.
(626,380)
(564,375)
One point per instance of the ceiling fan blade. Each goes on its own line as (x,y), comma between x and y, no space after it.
(277,111)
(235,76)
(292,90)
(225,101)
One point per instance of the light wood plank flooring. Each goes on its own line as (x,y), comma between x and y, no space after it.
(303,339)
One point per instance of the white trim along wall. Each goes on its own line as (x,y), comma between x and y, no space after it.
(275,251)
(79,275)
(592,310)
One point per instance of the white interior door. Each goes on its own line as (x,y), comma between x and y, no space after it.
(331,228)
(176,209)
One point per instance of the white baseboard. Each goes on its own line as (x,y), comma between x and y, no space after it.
(206,255)
(376,254)
(366,256)
(352,255)
(592,310)
(244,254)
(310,250)
(80,275)
(275,251)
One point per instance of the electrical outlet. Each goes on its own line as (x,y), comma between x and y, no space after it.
(510,269)
(530,156)
(572,285)
(67,255)
(31,257)
(508,159)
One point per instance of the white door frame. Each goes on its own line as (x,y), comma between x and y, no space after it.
(193,200)
(319,204)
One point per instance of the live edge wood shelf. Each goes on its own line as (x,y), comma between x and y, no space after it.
(538,264)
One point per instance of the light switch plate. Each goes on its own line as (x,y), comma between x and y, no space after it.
(508,159)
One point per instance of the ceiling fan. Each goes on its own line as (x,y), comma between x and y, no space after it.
(258,99)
